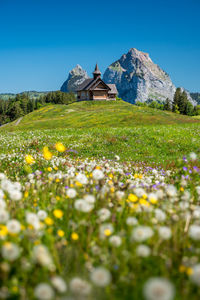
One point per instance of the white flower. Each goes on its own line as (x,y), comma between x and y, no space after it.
(42,256)
(194,232)
(83,206)
(2,204)
(165,232)
(100,277)
(15,195)
(81,178)
(10,251)
(97,174)
(4,216)
(139,192)
(33,220)
(143,250)
(142,233)
(171,190)
(106,230)
(193,156)
(71,193)
(120,195)
(42,214)
(89,198)
(160,215)
(80,286)
(13,226)
(117,157)
(158,289)
(195,276)
(103,214)
(59,284)
(44,291)
(115,240)
(131,221)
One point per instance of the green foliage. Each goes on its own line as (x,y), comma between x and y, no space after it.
(181,104)
(22,104)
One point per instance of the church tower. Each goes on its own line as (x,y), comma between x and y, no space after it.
(97,72)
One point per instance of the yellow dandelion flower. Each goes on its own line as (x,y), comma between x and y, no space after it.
(25,194)
(112,189)
(58,213)
(48,221)
(74,236)
(78,183)
(56,168)
(3,230)
(181,189)
(57,180)
(47,154)
(153,200)
(182,268)
(60,147)
(189,271)
(57,198)
(49,169)
(132,198)
(60,233)
(29,159)
(107,232)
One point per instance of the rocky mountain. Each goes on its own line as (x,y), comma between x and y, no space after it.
(196,97)
(75,78)
(138,79)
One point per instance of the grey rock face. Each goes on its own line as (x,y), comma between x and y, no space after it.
(75,78)
(138,79)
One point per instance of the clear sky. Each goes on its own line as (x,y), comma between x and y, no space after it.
(42,40)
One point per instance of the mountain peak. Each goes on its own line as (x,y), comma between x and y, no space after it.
(76,77)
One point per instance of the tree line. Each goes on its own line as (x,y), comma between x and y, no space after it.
(179,105)
(22,104)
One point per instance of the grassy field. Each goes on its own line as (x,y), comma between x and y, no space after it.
(100,201)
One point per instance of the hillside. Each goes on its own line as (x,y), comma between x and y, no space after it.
(32,95)
(96,114)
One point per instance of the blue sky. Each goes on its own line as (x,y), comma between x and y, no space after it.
(40,40)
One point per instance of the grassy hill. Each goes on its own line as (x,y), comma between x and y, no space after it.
(97,114)
(96,129)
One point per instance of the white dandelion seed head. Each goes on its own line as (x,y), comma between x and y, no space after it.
(158,289)
(100,277)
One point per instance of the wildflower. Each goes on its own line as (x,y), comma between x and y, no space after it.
(74,236)
(47,154)
(106,230)
(115,240)
(142,233)
(83,206)
(59,284)
(60,147)
(143,250)
(100,277)
(153,198)
(15,195)
(193,156)
(3,231)
(104,214)
(81,178)
(131,221)
(42,256)
(29,159)
(89,198)
(49,221)
(4,216)
(10,251)
(33,220)
(194,232)
(165,232)
(160,215)
(13,226)
(44,291)
(195,274)
(60,233)
(132,198)
(58,213)
(80,287)
(97,174)
(71,193)
(158,289)
(42,214)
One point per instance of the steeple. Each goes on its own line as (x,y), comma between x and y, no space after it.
(97,72)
